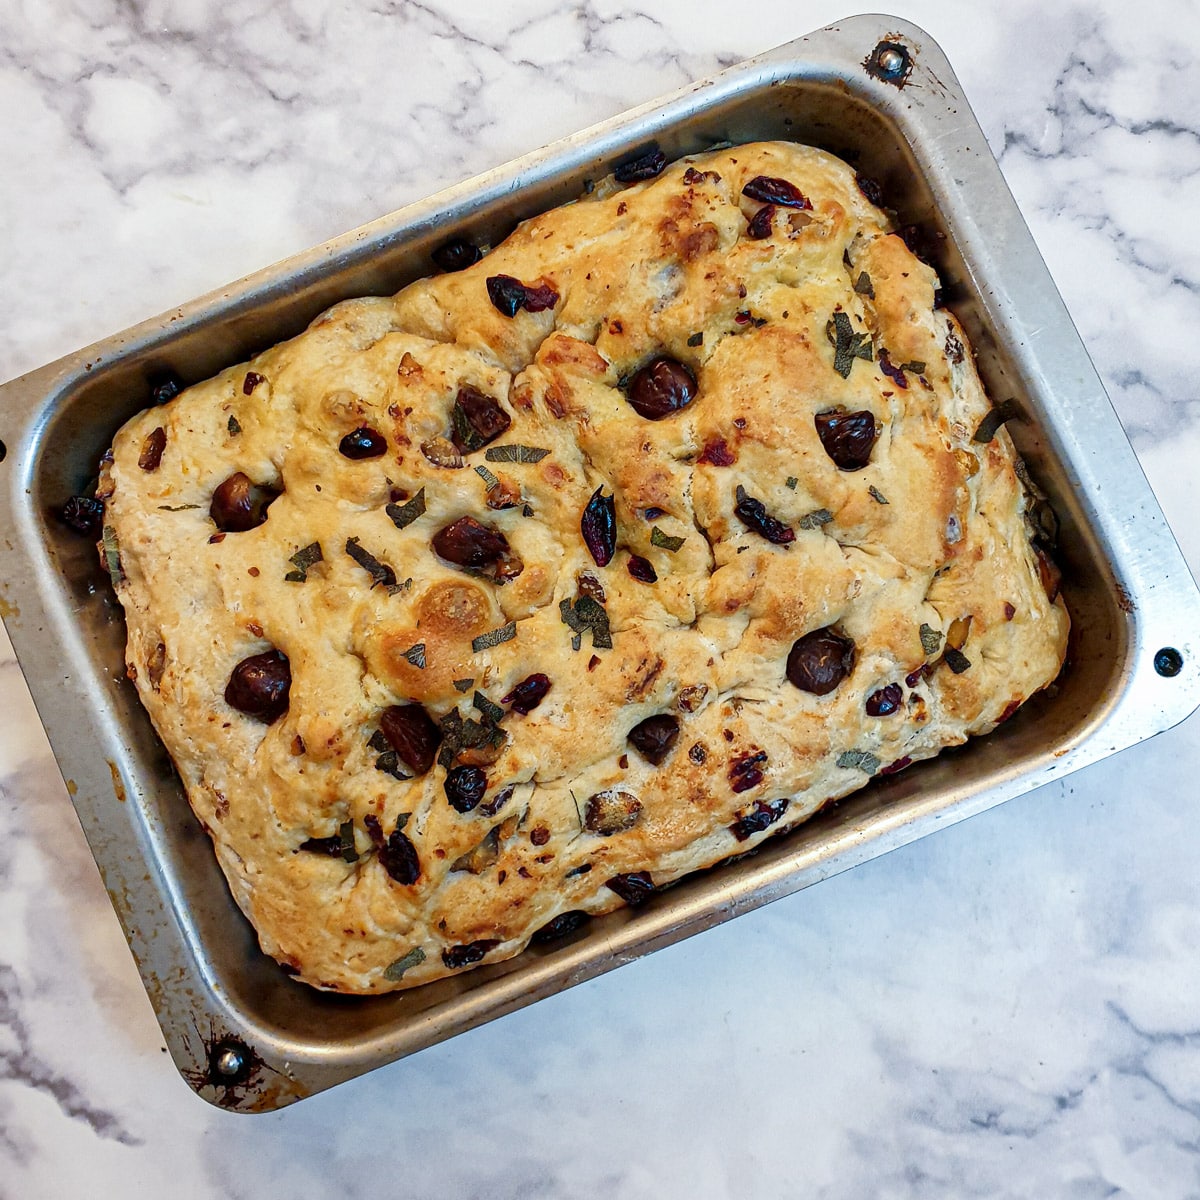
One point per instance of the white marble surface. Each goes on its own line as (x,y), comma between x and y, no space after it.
(1009,1008)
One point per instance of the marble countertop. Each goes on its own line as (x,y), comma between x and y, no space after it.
(1008,1008)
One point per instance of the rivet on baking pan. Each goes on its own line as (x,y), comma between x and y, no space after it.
(228,1062)
(889,61)
(1168,662)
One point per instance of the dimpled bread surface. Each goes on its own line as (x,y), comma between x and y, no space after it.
(921,559)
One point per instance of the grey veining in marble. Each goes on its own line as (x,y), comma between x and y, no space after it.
(1007,1009)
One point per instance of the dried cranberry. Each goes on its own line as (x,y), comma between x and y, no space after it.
(661,387)
(819,661)
(465,787)
(252,380)
(152,449)
(647,165)
(746,772)
(410,731)
(1048,573)
(898,765)
(634,888)
(363,442)
(775,191)
(914,677)
(472,952)
(85,515)
(764,814)
(562,925)
(754,515)
(654,737)
(599,527)
(476,419)
(885,701)
(924,243)
(457,255)
(870,189)
(612,811)
(528,694)
(889,368)
(467,543)
(642,569)
(762,223)
(240,504)
(164,385)
(717,454)
(398,857)
(509,295)
(848,437)
(259,686)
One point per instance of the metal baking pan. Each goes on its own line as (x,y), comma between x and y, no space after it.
(872,89)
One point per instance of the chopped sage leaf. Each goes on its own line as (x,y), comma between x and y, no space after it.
(697,339)
(664,540)
(487,477)
(416,655)
(112,554)
(877,495)
(493,637)
(405,514)
(931,639)
(916,367)
(862,760)
(847,344)
(792,481)
(346,837)
(459,735)
(395,971)
(527,510)
(992,422)
(381,573)
(389,763)
(177,507)
(863,285)
(515,454)
(815,519)
(586,614)
(488,709)
(233,427)
(379,743)
(956,660)
(304,558)
(463,685)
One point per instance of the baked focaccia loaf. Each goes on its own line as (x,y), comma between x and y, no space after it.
(552,578)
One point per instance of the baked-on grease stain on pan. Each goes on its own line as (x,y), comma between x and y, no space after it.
(233,1075)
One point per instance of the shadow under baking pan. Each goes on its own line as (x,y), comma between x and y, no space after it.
(874,91)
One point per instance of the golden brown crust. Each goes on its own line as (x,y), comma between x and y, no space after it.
(922,548)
